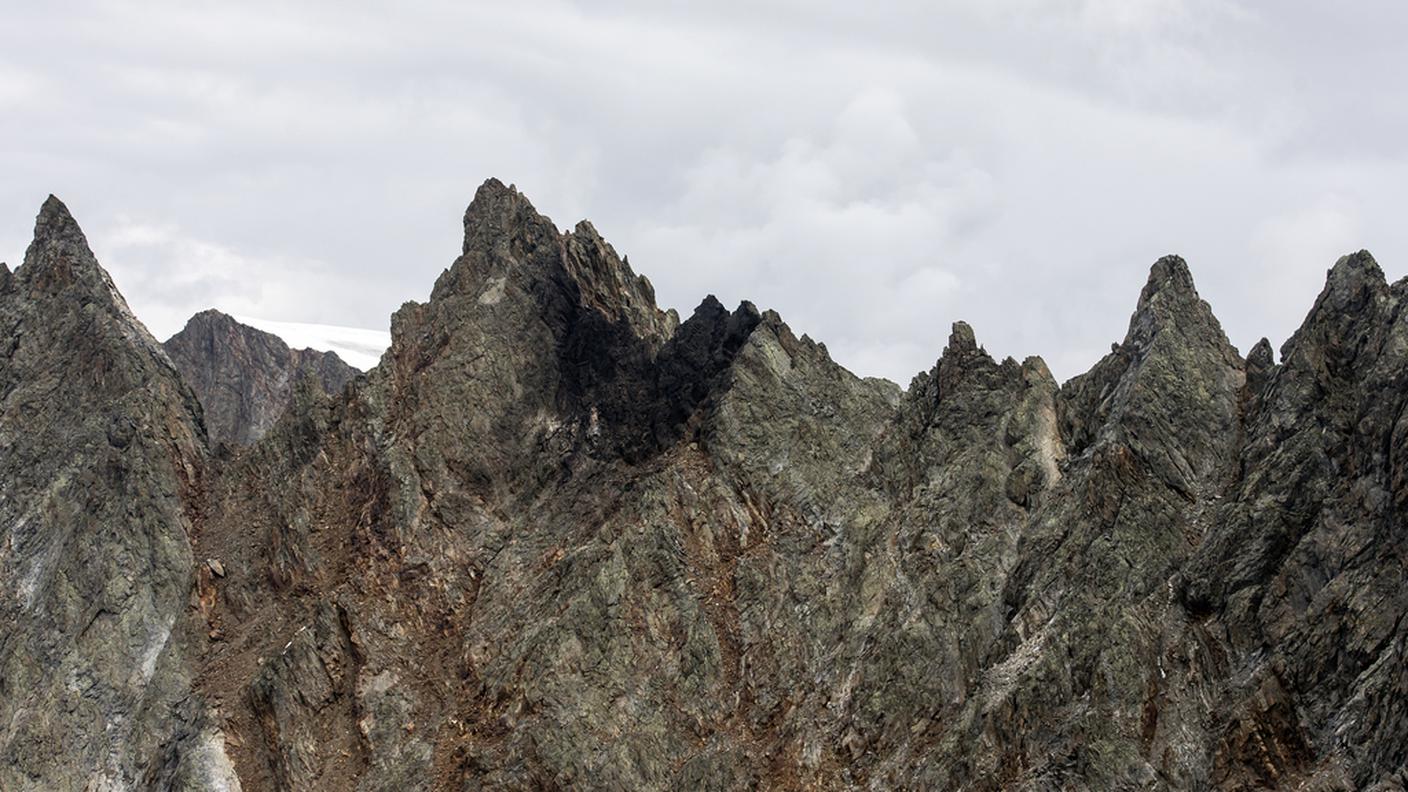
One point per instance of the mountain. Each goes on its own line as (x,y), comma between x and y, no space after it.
(559,538)
(103,460)
(243,377)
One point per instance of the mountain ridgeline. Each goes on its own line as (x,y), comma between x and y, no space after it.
(561,539)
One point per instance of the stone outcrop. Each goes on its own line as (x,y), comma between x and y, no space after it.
(561,539)
(245,378)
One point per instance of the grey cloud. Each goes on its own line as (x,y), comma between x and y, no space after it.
(872,174)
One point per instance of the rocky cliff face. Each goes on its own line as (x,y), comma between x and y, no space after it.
(103,461)
(561,539)
(245,378)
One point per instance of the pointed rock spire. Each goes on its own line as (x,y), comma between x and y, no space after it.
(508,244)
(607,283)
(960,356)
(961,337)
(1168,275)
(1169,303)
(1345,323)
(102,449)
(59,261)
(503,235)
(500,216)
(1261,356)
(1170,391)
(1261,364)
(1354,271)
(1169,298)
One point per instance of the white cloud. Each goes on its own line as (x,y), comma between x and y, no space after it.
(16,87)
(163,272)
(1293,251)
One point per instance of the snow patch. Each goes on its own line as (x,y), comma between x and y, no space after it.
(358,347)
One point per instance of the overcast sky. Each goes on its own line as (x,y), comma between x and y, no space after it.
(872,171)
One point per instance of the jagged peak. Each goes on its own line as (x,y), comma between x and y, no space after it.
(1034,368)
(512,249)
(710,319)
(737,323)
(212,321)
(1349,307)
(961,338)
(1261,365)
(1353,279)
(499,215)
(1170,299)
(588,243)
(962,348)
(1355,269)
(1175,363)
(1168,275)
(587,230)
(53,213)
(1169,293)
(606,283)
(59,261)
(711,304)
(961,356)
(56,224)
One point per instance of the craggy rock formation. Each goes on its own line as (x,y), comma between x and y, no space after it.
(561,539)
(243,377)
(102,460)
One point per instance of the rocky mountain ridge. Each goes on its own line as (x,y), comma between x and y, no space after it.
(561,539)
(245,378)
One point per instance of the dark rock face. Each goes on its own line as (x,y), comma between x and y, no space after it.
(559,539)
(243,377)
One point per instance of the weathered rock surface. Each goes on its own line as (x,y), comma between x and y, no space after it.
(101,458)
(243,377)
(560,539)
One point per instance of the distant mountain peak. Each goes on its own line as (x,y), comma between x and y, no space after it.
(245,378)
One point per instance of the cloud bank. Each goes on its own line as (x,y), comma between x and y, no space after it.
(871,173)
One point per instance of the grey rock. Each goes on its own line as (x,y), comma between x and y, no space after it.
(243,377)
(101,457)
